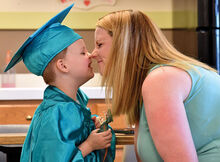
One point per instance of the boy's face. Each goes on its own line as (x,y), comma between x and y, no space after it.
(79,62)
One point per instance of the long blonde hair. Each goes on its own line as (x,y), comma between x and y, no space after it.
(137,45)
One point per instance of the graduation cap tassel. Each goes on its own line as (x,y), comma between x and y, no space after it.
(106,151)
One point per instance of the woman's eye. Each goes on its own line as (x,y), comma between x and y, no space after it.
(82,53)
(99,45)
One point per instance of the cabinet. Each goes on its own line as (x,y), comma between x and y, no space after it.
(17,112)
(100,108)
(21,112)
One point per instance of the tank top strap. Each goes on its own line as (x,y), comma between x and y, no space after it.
(155,67)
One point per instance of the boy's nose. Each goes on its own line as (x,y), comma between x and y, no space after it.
(89,54)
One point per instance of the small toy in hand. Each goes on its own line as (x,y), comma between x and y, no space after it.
(108,119)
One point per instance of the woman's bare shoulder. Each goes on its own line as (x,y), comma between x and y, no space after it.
(167,79)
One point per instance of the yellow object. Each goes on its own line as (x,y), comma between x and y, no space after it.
(87,20)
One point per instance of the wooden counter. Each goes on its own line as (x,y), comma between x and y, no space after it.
(18,139)
(13,139)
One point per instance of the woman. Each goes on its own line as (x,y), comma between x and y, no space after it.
(173,100)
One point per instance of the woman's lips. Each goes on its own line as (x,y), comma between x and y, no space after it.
(99,61)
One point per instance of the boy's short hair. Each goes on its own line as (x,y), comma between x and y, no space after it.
(49,74)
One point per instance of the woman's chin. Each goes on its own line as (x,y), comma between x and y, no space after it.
(101,70)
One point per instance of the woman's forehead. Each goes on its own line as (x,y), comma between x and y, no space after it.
(101,34)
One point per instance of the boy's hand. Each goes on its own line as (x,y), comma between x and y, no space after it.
(96,122)
(98,141)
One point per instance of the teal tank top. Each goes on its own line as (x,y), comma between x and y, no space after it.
(203,112)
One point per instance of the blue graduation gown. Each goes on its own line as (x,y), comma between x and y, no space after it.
(58,127)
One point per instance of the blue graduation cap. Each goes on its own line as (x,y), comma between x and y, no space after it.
(44,44)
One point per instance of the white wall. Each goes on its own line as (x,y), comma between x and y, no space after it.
(56,5)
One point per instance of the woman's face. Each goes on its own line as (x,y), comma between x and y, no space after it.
(103,43)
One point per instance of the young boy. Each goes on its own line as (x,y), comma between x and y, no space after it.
(61,129)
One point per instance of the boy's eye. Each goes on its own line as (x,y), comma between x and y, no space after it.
(82,53)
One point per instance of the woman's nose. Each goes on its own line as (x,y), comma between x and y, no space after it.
(90,55)
(94,53)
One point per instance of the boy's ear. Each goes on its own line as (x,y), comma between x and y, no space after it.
(61,66)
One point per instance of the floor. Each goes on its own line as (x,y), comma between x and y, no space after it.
(10,154)
(2,157)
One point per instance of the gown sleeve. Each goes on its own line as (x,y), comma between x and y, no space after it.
(108,155)
(59,135)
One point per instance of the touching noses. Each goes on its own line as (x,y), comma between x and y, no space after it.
(94,53)
(89,54)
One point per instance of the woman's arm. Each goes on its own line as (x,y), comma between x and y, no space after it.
(164,91)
